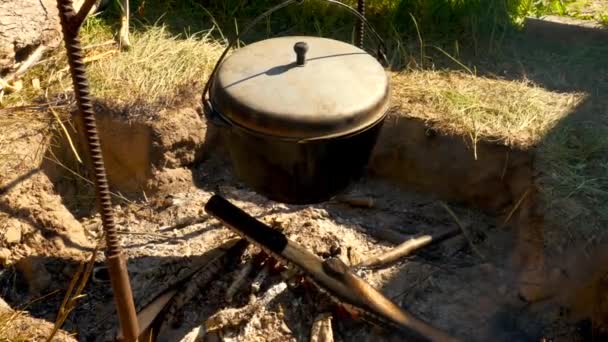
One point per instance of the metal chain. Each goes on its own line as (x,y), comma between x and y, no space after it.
(381,53)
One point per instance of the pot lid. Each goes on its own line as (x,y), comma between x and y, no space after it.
(301,87)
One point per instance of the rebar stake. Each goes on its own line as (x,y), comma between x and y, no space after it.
(117,266)
(360,31)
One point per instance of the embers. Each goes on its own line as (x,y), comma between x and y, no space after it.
(331,276)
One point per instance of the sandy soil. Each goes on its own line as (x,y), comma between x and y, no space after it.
(447,285)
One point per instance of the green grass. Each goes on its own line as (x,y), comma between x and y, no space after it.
(582,9)
(575,183)
(403,24)
(468,22)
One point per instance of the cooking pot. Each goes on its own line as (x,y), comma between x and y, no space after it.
(300,115)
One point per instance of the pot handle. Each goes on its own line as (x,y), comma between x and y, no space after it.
(212,115)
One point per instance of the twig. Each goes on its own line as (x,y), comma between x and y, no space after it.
(232,317)
(88,47)
(195,335)
(239,280)
(261,277)
(83,12)
(69,301)
(408,247)
(187,284)
(386,235)
(67,135)
(34,107)
(94,58)
(52,293)
(200,279)
(356,201)
(92,46)
(29,62)
(515,207)
(123,232)
(464,231)
(321,329)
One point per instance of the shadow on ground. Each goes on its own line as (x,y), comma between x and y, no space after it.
(570,161)
(94,317)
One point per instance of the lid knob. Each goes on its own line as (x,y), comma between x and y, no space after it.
(300,48)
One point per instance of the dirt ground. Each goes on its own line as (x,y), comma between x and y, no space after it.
(473,295)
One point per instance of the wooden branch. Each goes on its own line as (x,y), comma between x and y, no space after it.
(514,209)
(356,201)
(386,234)
(32,59)
(464,231)
(74,292)
(123,37)
(408,247)
(28,63)
(232,317)
(331,275)
(239,280)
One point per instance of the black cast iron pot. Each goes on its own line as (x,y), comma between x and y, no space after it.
(300,115)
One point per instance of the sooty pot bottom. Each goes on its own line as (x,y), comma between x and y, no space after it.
(300,173)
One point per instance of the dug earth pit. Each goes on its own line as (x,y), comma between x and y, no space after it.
(147,152)
(425,164)
(33,219)
(500,181)
(161,157)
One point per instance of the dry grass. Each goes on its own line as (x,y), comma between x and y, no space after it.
(153,72)
(516,113)
(73,293)
(18,326)
(155,69)
(7,321)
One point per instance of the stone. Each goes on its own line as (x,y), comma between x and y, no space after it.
(5,254)
(4,306)
(13,234)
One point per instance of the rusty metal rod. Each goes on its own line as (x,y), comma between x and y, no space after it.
(360,31)
(117,267)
